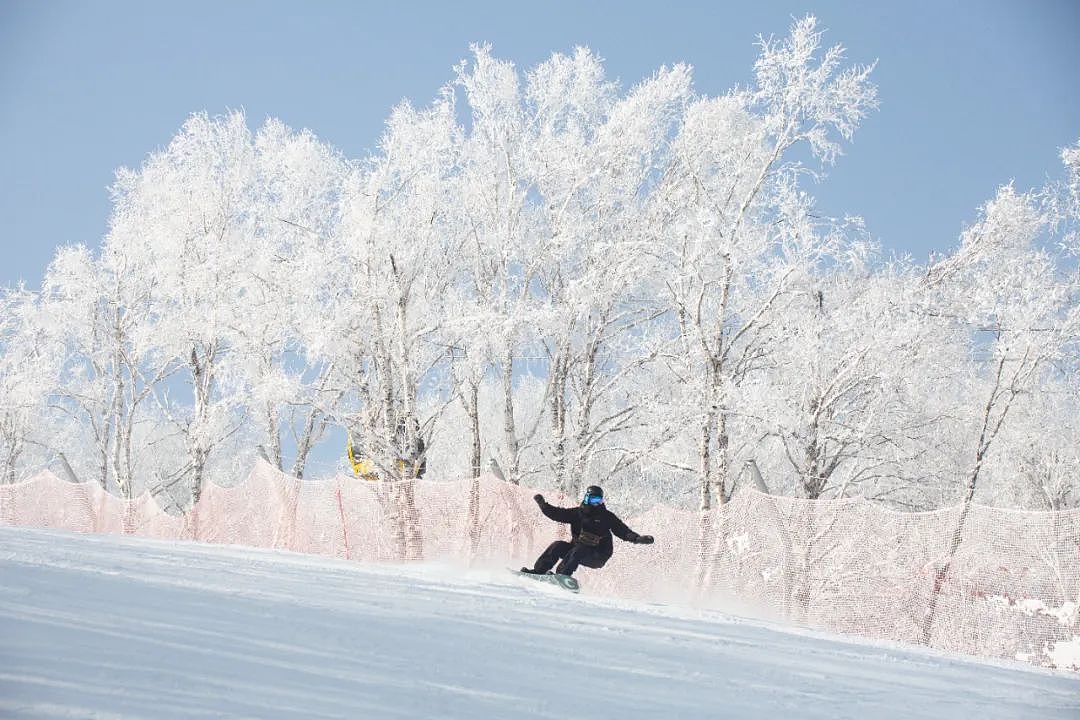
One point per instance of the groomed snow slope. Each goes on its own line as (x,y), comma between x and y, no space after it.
(107,627)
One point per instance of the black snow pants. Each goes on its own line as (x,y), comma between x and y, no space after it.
(571,555)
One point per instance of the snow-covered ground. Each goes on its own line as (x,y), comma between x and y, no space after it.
(103,627)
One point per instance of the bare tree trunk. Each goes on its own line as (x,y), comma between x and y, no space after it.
(943,571)
(273,435)
(513,449)
(385,370)
(812,480)
(117,406)
(393,508)
(129,426)
(803,581)
(198,445)
(472,409)
(986,437)
(705,462)
(558,421)
(408,381)
(720,482)
(71,476)
(705,501)
(713,468)
(313,429)
(410,520)
(103,451)
(706,520)
(474,515)
(408,461)
(114,422)
(14,446)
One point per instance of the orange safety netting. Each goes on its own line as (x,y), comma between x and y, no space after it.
(851,566)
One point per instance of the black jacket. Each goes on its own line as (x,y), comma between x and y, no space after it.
(591,526)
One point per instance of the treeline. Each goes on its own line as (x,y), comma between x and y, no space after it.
(580,282)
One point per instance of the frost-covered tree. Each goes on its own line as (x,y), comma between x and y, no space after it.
(580,281)
(29,371)
(836,408)
(1018,299)
(1013,284)
(731,229)
(184,222)
(396,256)
(492,305)
(95,317)
(597,156)
(279,359)
(1035,463)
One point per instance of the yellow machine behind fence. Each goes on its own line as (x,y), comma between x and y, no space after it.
(364,468)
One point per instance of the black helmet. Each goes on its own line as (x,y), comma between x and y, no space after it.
(594,495)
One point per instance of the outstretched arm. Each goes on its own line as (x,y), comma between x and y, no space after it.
(621,531)
(558,514)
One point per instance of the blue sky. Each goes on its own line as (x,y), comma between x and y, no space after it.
(973,94)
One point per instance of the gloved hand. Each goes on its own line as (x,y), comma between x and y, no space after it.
(644,540)
(538,498)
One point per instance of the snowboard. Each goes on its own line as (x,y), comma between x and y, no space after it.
(564,581)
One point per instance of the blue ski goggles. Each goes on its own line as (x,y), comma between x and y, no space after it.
(593,500)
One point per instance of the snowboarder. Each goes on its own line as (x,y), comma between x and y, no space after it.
(591,527)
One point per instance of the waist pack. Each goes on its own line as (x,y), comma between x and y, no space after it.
(588,539)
